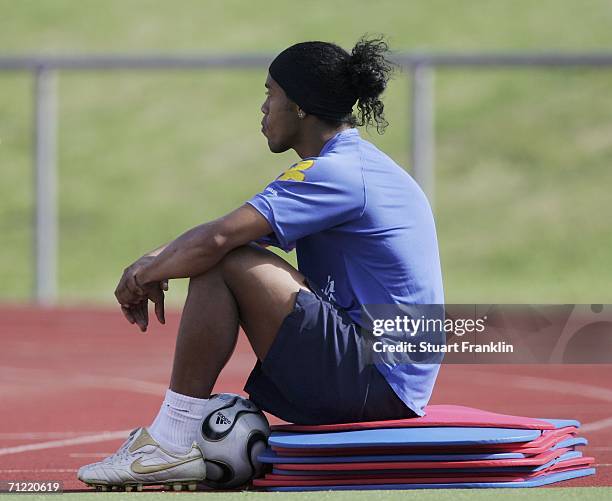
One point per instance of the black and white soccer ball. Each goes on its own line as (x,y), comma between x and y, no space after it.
(233,432)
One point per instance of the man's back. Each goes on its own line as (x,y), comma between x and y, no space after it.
(388,252)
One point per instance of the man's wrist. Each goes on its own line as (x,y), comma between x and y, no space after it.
(141,277)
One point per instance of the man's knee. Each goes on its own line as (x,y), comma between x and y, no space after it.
(233,260)
(210,279)
(247,264)
(245,257)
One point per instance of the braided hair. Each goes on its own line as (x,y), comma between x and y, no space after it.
(326,81)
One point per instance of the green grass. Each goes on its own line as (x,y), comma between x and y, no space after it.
(566,494)
(523,157)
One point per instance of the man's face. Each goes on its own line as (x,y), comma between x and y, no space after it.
(280,122)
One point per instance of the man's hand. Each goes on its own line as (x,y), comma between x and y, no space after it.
(191,254)
(137,314)
(134,296)
(128,291)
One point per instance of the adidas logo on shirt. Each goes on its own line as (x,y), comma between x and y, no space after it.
(221,419)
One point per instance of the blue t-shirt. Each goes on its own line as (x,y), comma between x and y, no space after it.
(363,231)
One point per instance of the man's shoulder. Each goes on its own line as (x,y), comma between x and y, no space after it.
(324,169)
(297,171)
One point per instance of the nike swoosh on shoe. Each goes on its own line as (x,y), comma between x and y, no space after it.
(141,469)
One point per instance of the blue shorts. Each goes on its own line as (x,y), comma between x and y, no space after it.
(316,371)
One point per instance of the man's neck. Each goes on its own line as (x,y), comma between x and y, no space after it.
(314,138)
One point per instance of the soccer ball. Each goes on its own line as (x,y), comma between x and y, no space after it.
(234,431)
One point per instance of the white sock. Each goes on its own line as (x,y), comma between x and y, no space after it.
(176,426)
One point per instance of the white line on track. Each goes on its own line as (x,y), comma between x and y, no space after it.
(68,382)
(44,470)
(48,435)
(125,384)
(89,454)
(559,386)
(88,439)
(597,425)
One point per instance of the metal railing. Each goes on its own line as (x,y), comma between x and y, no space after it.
(44,68)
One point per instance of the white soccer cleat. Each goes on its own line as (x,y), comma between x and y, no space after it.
(141,461)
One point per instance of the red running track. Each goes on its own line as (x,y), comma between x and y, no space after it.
(73,382)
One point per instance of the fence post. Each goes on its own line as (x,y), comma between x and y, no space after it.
(45,185)
(422,128)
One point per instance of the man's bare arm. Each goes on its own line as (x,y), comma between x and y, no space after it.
(191,254)
(199,249)
(156,252)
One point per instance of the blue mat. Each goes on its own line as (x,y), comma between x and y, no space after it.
(451,436)
(269,456)
(537,482)
(571,442)
(559,460)
(562,423)
(516,469)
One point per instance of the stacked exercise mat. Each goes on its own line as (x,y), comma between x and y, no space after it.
(450,447)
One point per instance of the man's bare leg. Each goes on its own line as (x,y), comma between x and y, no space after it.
(206,337)
(250,286)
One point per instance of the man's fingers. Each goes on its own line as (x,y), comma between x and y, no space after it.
(145,313)
(139,313)
(134,288)
(139,316)
(125,295)
(121,292)
(155,293)
(159,310)
(127,313)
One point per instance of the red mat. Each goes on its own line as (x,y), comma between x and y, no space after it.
(281,480)
(537,460)
(581,462)
(436,415)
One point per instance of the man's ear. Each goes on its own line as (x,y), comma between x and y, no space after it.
(292,107)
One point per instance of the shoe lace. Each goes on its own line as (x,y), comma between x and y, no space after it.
(123,451)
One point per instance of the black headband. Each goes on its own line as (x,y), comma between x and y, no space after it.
(318,90)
